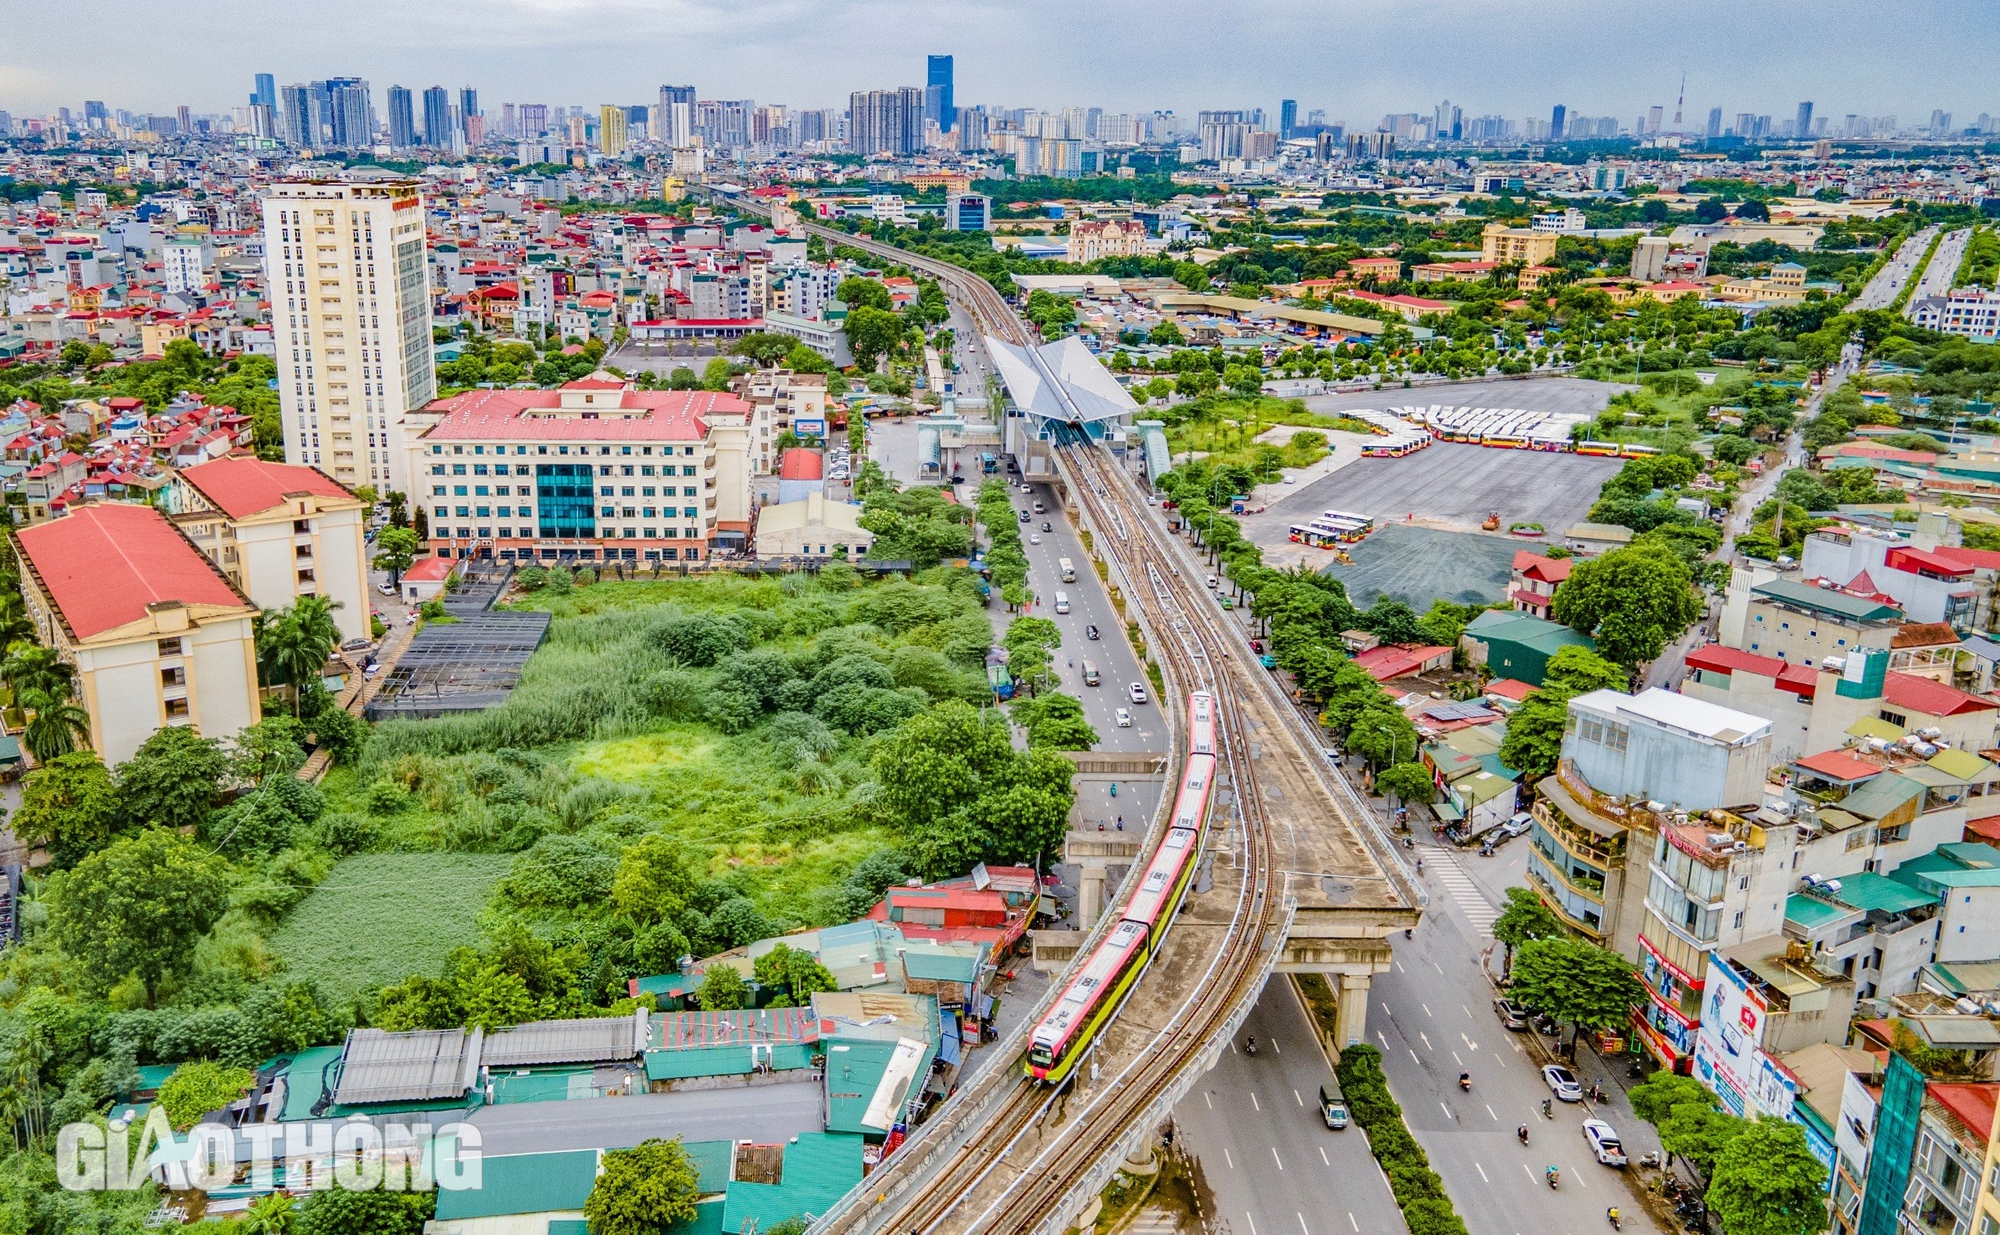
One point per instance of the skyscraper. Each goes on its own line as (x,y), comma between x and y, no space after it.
(534,120)
(437,117)
(300,121)
(352,333)
(1715,122)
(1556,119)
(266,91)
(402,125)
(468,107)
(938,103)
(1288,117)
(1802,127)
(885,121)
(349,113)
(611,129)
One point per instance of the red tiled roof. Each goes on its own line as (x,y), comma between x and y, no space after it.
(1839,765)
(104,564)
(1908,558)
(1540,600)
(1977,559)
(1972,1103)
(1924,635)
(1987,828)
(1391,661)
(427,569)
(640,416)
(798,463)
(1509,688)
(1719,659)
(1931,698)
(242,485)
(1547,569)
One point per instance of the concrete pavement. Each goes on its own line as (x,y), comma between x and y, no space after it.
(1942,270)
(1887,284)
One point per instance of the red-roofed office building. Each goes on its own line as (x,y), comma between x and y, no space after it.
(1933,582)
(1535,581)
(158,634)
(279,531)
(595,470)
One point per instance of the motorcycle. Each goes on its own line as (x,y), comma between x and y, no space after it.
(1250,1047)
(1554,1177)
(1465,1081)
(1522,1132)
(1612,1214)
(1651,1160)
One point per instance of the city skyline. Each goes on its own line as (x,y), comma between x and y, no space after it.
(1850,58)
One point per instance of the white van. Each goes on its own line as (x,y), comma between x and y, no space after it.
(1062,602)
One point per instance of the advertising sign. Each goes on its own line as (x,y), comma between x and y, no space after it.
(1726,1051)
(809,427)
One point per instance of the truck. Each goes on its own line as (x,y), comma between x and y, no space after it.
(1068,569)
(1332,1105)
(1001,683)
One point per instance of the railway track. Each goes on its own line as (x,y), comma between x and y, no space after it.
(1005,1155)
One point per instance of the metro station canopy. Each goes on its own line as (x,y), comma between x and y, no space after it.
(1060,381)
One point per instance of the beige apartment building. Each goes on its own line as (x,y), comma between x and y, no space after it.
(351,321)
(280,531)
(158,633)
(1500,243)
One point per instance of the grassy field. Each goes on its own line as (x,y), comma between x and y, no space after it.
(380,917)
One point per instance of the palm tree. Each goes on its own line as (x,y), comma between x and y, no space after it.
(60,725)
(30,669)
(294,643)
(14,624)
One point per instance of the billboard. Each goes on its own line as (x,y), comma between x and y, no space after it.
(805,427)
(1729,1053)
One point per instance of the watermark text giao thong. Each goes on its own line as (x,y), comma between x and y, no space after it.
(353,1155)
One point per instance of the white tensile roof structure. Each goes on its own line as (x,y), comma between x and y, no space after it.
(1082,389)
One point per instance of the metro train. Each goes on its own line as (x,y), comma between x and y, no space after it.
(1073,1022)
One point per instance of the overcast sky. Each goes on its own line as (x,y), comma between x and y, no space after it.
(1356,58)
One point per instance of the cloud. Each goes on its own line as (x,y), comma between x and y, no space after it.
(1356,58)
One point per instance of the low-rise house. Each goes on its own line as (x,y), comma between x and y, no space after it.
(1533,590)
(812,528)
(158,634)
(1517,645)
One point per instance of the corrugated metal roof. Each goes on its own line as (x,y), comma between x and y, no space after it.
(377,1066)
(819,1169)
(597,1040)
(711,1161)
(523,1184)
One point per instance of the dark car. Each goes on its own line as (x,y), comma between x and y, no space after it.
(1090,632)
(1023,514)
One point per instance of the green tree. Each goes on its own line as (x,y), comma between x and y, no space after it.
(795,974)
(275,1214)
(1575,982)
(57,725)
(1699,1132)
(138,907)
(68,807)
(1533,743)
(336,1211)
(872,334)
(293,644)
(395,549)
(722,988)
(1524,920)
(33,669)
(1767,1182)
(173,779)
(644,1190)
(197,1088)
(654,882)
(1632,601)
(1054,722)
(1656,1099)
(764,347)
(1409,782)
(857,292)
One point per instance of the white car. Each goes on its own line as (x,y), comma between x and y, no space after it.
(1562,1082)
(1124,718)
(1034,538)
(1604,1142)
(1138,693)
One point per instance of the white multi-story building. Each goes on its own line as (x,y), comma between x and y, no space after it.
(351,322)
(182,265)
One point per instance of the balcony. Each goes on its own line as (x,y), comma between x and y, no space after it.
(1579,914)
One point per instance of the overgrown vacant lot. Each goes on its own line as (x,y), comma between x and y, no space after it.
(380,916)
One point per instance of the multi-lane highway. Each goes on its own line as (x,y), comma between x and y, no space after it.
(1888,282)
(1942,270)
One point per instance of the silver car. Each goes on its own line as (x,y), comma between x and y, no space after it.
(1604,1142)
(1562,1083)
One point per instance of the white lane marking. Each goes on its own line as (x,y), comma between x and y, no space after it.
(1351,1222)
(1232,1162)
(1253,1100)
(1427,1040)
(1252,1221)
(1413,1058)
(1295,1094)
(1323,1157)
(1466,1010)
(1274,1047)
(1438,967)
(1445,1109)
(1489,1111)
(1455,1059)
(1482,1172)
(1399,967)
(1302,1223)
(1469,1043)
(1426,1007)
(1206,1098)
(1276,1158)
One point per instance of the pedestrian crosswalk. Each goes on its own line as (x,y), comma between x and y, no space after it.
(1464,893)
(1154,1220)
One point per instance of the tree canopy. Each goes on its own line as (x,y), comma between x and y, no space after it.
(1573,981)
(643,1190)
(1632,601)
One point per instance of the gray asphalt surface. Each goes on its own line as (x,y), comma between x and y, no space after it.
(1452,484)
(1942,270)
(1553,394)
(1888,282)
(1271,1164)
(766,1113)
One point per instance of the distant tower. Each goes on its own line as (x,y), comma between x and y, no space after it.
(937,94)
(1802,127)
(1714,122)
(1556,119)
(266,92)
(1288,117)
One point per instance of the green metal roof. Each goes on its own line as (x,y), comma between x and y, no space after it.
(1961,765)
(154,1075)
(1828,601)
(305,1080)
(1527,630)
(1881,795)
(940,964)
(855,1068)
(724,1059)
(1809,913)
(711,1161)
(524,1184)
(819,1169)
(1867,890)
(707,1220)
